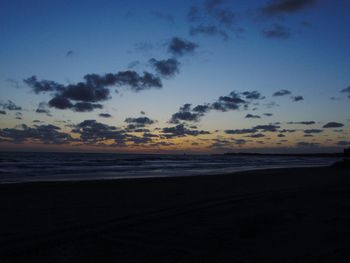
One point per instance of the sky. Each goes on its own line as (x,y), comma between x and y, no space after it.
(206,76)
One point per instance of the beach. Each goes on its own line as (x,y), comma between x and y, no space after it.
(276,215)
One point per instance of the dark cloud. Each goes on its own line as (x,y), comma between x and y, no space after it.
(47,134)
(333,125)
(166,68)
(302,122)
(180,47)
(309,131)
(137,82)
(343,143)
(86,106)
(267,128)
(231,102)
(161,143)
(222,15)
(140,122)
(280,7)
(181,131)
(93,132)
(212,18)
(287,130)
(282,92)
(209,30)
(242,131)
(277,31)
(42,108)
(10,105)
(256,135)
(43,85)
(268,114)
(93,89)
(253,95)
(60,102)
(298,98)
(105,115)
(85,92)
(185,113)
(346,90)
(251,116)
(70,53)
(202,108)
(2,112)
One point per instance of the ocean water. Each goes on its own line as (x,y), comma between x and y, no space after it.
(27,167)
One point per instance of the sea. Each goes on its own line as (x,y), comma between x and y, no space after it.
(16,167)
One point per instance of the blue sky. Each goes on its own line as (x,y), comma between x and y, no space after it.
(300,46)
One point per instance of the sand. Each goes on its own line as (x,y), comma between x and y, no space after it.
(280,215)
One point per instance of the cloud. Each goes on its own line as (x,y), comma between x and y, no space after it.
(268,114)
(209,30)
(60,102)
(346,90)
(253,95)
(343,143)
(105,115)
(2,112)
(298,98)
(10,105)
(86,106)
(70,53)
(256,135)
(222,15)
(47,134)
(212,18)
(267,128)
(287,130)
(241,131)
(181,131)
(333,125)
(277,31)
(42,85)
(280,7)
(185,113)
(302,122)
(202,108)
(93,132)
(94,88)
(134,124)
(231,102)
(166,68)
(42,108)
(309,131)
(282,92)
(251,116)
(180,47)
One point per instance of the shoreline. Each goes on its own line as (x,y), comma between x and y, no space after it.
(137,177)
(272,215)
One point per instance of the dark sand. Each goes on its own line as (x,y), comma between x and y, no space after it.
(282,215)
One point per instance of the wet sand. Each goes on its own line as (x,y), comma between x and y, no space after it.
(280,215)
